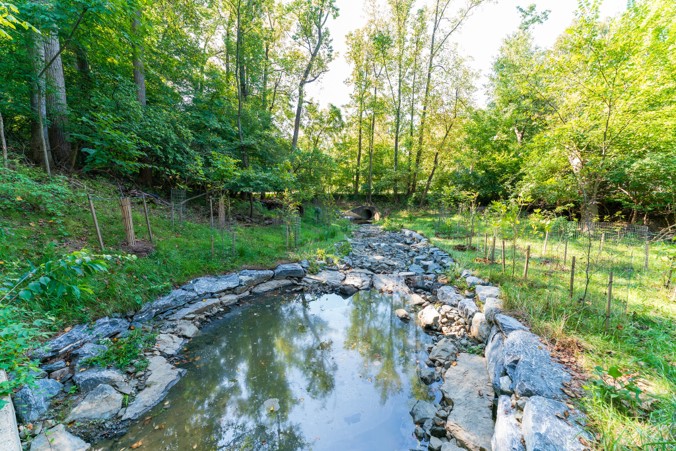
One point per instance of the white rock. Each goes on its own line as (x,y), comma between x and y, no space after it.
(58,439)
(169,344)
(429,317)
(162,377)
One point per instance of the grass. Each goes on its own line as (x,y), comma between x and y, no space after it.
(641,335)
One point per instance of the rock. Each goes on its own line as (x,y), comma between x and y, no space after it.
(250,277)
(417,269)
(466,385)
(172,301)
(427,375)
(389,283)
(102,403)
(480,328)
(449,296)
(495,358)
(109,327)
(86,352)
(430,266)
(435,444)
(505,384)
(271,285)
(444,351)
(87,381)
(289,270)
(415,299)
(507,324)
(183,329)
(61,375)
(429,317)
(528,363)
(507,435)
(348,290)
(169,344)
(162,377)
(467,308)
(451,446)
(31,403)
(492,306)
(214,285)
(422,411)
(358,279)
(331,278)
(472,281)
(484,292)
(72,339)
(195,309)
(402,314)
(58,439)
(548,425)
(59,364)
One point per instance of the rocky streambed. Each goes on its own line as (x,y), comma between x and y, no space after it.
(499,386)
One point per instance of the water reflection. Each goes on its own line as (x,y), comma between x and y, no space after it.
(342,372)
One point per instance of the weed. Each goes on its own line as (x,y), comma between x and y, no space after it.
(125,352)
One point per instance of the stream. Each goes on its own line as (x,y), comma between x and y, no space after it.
(293,372)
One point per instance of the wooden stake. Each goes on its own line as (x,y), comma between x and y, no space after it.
(610,299)
(486,246)
(4,143)
(647,255)
(493,251)
(221,212)
(544,246)
(503,256)
(96,222)
(211,212)
(145,211)
(471,232)
(525,267)
(565,251)
(603,240)
(572,277)
(125,204)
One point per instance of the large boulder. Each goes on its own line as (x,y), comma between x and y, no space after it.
(390,283)
(162,377)
(87,381)
(358,279)
(429,317)
(74,338)
(486,291)
(195,308)
(444,351)
(467,308)
(58,439)
(172,301)
(251,277)
(214,285)
(449,296)
(467,388)
(507,324)
(548,425)
(422,411)
(495,357)
(532,370)
(328,277)
(507,435)
(287,270)
(102,403)
(169,344)
(31,403)
(271,286)
(480,329)
(492,307)
(109,327)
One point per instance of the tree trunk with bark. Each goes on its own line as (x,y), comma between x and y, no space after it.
(57,104)
(137,59)
(39,137)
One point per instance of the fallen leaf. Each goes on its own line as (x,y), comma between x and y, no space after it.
(137,444)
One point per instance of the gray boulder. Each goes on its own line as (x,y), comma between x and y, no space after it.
(417,269)
(444,351)
(271,286)
(62,344)
(429,317)
(58,439)
(183,328)
(390,283)
(214,285)
(426,374)
(492,307)
(109,327)
(486,291)
(495,358)
(87,351)
(449,296)
(195,308)
(251,277)
(358,279)
(289,270)
(172,301)
(528,363)
(328,277)
(507,324)
(169,344)
(162,377)
(422,411)
(87,381)
(31,403)
(548,425)
(435,444)
(507,435)
(467,308)
(102,403)
(480,328)
(472,281)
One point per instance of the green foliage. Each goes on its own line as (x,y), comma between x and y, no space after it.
(30,191)
(126,351)
(392,225)
(615,388)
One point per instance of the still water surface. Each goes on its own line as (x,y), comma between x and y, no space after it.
(342,372)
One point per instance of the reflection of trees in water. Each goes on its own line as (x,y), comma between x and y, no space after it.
(380,339)
(252,363)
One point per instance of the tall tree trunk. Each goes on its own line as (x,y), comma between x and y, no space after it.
(239,80)
(39,138)
(359,144)
(5,161)
(57,105)
(137,58)
(372,142)
(266,70)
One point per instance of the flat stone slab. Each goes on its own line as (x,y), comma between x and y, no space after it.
(58,439)
(289,270)
(358,279)
(486,291)
(183,328)
(449,296)
(162,377)
(169,344)
(389,283)
(215,285)
(9,434)
(102,403)
(252,277)
(88,380)
(64,343)
(195,309)
(507,435)
(175,299)
(422,411)
(548,425)
(332,278)
(444,351)
(467,386)
(271,285)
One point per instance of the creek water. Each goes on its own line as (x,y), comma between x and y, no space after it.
(294,373)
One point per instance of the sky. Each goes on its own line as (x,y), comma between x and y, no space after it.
(479,39)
